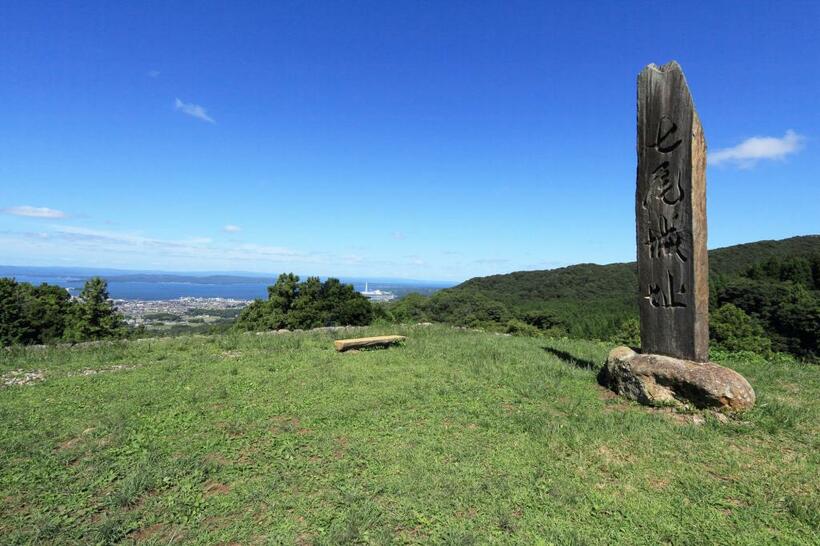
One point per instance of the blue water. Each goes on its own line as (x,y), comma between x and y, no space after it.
(160,290)
(132,290)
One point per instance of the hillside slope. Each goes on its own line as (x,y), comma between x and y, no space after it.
(592,300)
(584,282)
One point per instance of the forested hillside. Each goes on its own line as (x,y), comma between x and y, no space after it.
(775,283)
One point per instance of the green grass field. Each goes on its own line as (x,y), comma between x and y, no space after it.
(456,437)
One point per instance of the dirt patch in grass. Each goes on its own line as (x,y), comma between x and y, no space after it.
(469,513)
(247,455)
(341,447)
(414,534)
(659,484)
(215,523)
(155,530)
(285,424)
(216,488)
(303,539)
(508,408)
(217,458)
(610,455)
(231,430)
(68,444)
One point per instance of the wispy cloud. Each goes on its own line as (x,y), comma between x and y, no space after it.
(193,110)
(34,212)
(492,261)
(398,235)
(202,248)
(231,228)
(746,154)
(153,73)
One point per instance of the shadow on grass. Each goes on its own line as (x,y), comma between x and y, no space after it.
(569,358)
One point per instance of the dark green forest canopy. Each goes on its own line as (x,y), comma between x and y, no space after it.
(776,283)
(592,281)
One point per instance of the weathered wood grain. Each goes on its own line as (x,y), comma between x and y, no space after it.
(362,342)
(670,206)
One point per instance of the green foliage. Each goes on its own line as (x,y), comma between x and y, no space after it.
(412,308)
(93,316)
(734,330)
(788,312)
(32,314)
(520,328)
(629,333)
(47,314)
(465,309)
(542,320)
(302,305)
(797,269)
(774,282)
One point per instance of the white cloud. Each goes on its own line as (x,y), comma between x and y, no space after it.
(492,261)
(398,235)
(230,228)
(153,73)
(746,154)
(35,212)
(193,110)
(202,248)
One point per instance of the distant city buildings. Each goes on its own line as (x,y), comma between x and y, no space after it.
(377,295)
(146,312)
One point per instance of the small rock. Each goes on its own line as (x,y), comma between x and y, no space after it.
(721,417)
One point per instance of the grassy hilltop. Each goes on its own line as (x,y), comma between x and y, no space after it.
(457,437)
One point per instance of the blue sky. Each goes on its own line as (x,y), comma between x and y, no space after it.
(428,140)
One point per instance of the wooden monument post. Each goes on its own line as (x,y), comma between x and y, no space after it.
(670,206)
(673,269)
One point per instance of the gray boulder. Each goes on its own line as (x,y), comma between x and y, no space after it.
(658,380)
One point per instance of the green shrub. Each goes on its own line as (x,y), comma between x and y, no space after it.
(309,304)
(629,333)
(520,328)
(733,330)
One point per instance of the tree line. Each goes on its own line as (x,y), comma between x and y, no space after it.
(771,306)
(31,314)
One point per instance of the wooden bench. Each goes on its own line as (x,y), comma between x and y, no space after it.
(362,342)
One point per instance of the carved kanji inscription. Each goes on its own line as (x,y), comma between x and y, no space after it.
(670,206)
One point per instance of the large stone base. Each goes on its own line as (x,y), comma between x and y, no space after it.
(658,380)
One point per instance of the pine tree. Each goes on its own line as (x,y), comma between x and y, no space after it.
(95,316)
